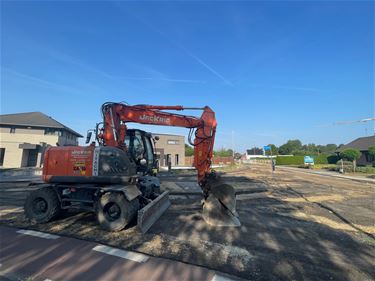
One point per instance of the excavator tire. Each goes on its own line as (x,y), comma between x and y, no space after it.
(114,211)
(42,205)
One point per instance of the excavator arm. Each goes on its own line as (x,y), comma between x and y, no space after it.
(219,206)
(116,115)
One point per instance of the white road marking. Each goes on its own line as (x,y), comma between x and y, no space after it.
(220,278)
(121,253)
(47,279)
(38,234)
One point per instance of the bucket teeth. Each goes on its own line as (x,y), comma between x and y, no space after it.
(219,207)
(215,213)
(226,195)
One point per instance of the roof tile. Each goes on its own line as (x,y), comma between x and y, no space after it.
(34,119)
(361,143)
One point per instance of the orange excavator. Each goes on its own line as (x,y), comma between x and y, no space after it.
(115,176)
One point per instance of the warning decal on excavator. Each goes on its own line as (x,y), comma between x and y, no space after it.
(79,168)
(95,162)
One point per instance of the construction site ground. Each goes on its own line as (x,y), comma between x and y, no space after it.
(295,226)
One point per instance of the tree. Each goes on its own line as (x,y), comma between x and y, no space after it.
(290,147)
(371,153)
(330,148)
(255,151)
(351,154)
(284,149)
(274,150)
(223,152)
(189,151)
(295,144)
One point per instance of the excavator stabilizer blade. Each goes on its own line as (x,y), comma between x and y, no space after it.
(219,208)
(149,214)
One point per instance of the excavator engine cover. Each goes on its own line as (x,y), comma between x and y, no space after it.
(219,207)
(87,164)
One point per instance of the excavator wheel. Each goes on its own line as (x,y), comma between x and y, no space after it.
(219,207)
(42,205)
(114,211)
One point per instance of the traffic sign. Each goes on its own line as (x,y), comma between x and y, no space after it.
(308,160)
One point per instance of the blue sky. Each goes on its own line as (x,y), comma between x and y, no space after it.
(272,71)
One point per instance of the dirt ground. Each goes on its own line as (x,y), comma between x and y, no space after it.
(295,226)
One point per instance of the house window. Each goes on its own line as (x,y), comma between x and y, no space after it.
(176,159)
(167,159)
(49,132)
(2,154)
(53,132)
(12,130)
(173,142)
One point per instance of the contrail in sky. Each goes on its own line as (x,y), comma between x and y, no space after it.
(161,79)
(69,59)
(189,53)
(357,121)
(207,66)
(365,120)
(42,82)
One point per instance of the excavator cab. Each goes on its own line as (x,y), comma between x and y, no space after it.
(140,145)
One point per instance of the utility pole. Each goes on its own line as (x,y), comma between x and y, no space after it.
(232,145)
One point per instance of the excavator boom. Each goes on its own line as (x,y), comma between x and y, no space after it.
(220,203)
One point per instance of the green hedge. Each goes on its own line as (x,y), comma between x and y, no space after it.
(298,160)
(326,159)
(367,170)
(289,160)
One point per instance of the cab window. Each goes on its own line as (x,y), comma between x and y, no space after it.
(135,146)
(150,152)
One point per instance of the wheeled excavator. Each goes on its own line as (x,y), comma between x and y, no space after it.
(114,176)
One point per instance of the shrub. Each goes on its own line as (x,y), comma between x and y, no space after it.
(366,169)
(298,159)
(331,167)
(350,154)
(321,159)
(332,159)
(289,160)
(371,153)
(347,165)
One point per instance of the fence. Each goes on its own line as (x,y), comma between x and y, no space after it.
(216,160)
(257,161)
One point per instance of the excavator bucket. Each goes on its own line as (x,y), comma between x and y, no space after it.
(219,207)
(149,214)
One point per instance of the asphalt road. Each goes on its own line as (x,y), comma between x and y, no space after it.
(31,255)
